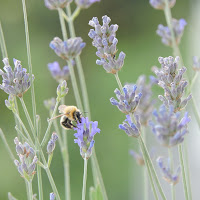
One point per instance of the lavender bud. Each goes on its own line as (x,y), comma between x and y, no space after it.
(196,63)
(51,144)
(168,174)
(55,4)
(50,104)
(85,136)
(67,49)
(15,82)
(52,196)
(10,103)
(160,4)
(104,39)
(62,90)
(165,34)
(85,3)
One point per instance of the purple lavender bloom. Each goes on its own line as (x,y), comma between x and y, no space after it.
(55,4)
(128,100)
(104,39)
(160,4)
(170,78)
(57,73)
(168,174)
(67,49)
(85,136)
(131,129)
(169,129)
(50,104)
(85,3)
(196,63)
(52,196)
(62,90)
(165,34)
(52,143)
(28,159)
(15,82)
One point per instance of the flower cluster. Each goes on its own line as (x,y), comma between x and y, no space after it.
(62,90)
(169,129)
(55,4)
(104,39)
(85,136)
(67,49)
(50,104)
(178,29)
(196,63)
(52,143)
(160,4)
(131,129)
(85,3)
(146,105)
(172,81)
(168,175)
(57,73)
(28,159)
(15,82)
(128,100)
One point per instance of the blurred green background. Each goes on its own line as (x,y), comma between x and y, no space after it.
(137,22)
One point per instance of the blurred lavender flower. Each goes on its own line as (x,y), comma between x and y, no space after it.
(11,197)
(85,3)
(169,129)
(52,143)
(165,34)
(128,101)
(28,159)
(85,136)
(137,157)
(67,49)
(57,73)
(50,104)
(146,105)
(131,129)
(104,39)
(168,175)
(52,196)
(55,4)
(62,90)
(196,63)
(160,4)
(15,82)
(10,103)
(172,81)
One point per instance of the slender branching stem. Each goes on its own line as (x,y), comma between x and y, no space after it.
(47,133)
(30,190)
(119,82)
(192,83)
(22,135)
(2,43)
(6,145)
(84,179)
(29,62)
(62,24)
(172,168)
(183,171)
(75,13)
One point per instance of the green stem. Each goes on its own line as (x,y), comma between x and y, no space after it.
(62,24)
(192,83)
(2,43)
(183,171)
(172,168)
(29,62)
(75,13)
(30,190)
(84,179)
(22,135)
(7,145)
(119,82)
(46,135)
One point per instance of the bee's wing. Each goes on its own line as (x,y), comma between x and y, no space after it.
(62,108)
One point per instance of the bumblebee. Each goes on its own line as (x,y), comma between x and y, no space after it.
(68,115)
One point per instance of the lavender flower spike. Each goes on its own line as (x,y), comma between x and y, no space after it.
(50,104)
(131,129)
(85,136)
(196,63)
(170,78)
(57,73)
(67,49)
(165,34)
(128,100)
(168,175)
(169,129)
(55,4)
(160,4)
(15,82)
(104,39)
(52,143)
(62,90)
(28,159)
(85,3)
